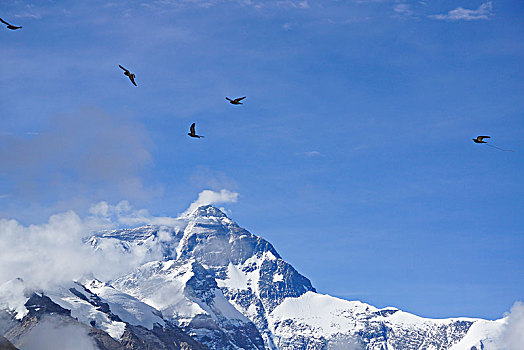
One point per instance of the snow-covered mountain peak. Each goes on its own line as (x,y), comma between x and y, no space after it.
(230,289)
(207,211)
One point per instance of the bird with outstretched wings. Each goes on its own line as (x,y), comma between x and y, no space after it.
(9,26)
(129,74)
(236,101)
(192,132)
(480,139)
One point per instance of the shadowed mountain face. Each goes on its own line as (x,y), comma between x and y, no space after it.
(6,344)
(218,286)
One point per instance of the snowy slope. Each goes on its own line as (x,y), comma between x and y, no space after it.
(230,289)
(187,294)
(318,319)
(270,293)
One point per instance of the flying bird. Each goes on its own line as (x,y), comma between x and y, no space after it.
(192,132)
(9,26)
(480,139)
(236,101)
(129,74)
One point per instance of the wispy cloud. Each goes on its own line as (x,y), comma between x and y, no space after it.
(30,11)
(302,4)
(403,10)
(124,214)
(312,154)
(484,11)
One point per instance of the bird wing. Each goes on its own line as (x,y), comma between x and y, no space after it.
(192,128)
(4,22)
(132,78)
(240,99)
(480,138)
(227,98)
(123,68)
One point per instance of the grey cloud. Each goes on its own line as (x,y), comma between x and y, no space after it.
(78,152)
(52,334)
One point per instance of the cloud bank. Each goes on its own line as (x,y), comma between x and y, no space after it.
(55,252)
(513,333)
(484,11)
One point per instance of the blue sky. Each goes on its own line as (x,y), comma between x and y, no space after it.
(352,153)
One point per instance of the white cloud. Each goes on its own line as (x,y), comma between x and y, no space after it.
(484,11)
(124,214)
(55,252)
(49,253)
(513,333)
(212,197)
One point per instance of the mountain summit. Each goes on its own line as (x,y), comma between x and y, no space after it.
(211,283)
(207,211)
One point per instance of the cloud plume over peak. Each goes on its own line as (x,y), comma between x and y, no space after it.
(212,197)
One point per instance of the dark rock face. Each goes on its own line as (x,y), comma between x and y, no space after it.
(94,300)
(43,310)
(160,338)
(292,285)
(6,344)
(22,329)
(41,305)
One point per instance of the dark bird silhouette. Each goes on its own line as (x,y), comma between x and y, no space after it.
(9,26)
(192,132)
(129,74)
(236,101)
(480,139)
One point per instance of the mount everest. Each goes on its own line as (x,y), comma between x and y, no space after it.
(214,285)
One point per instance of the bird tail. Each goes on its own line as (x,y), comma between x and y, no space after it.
(500,149)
